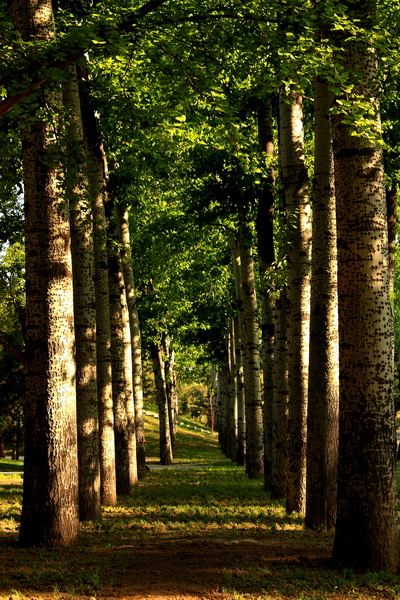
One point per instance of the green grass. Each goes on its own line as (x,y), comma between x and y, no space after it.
(192,444)
(8,465)
(212,501)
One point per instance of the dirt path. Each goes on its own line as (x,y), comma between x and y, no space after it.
(173,568)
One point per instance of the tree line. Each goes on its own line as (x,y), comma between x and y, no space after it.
(166,153)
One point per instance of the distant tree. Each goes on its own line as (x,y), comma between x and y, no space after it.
(297,204)
(157,357)
(122,381)
(136,345)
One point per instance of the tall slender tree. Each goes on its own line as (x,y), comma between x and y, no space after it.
(323,388)
(50,511)
(241,430)
(136,345)
(162,401)
(295,183)
(97,178)
(266,251)
(122,385)
(251,360)
(84,302)
(366,530)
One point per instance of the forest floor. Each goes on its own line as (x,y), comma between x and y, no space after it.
(204,532)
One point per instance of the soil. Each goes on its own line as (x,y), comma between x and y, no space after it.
(173,568)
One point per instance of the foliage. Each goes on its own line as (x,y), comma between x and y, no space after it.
(193,400)
(12,377)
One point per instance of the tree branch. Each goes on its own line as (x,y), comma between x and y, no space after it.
(39,81)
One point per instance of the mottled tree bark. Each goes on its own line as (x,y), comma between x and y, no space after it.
(50,512)
(97,185)
(233,405)
(366,529)
(251,361)
(172,394)
(241,431)
(323,389)
(84,303)
(121,356)
(280,400)
(136,345)
(266,253)
(228,370)
(295,184)
(162,401)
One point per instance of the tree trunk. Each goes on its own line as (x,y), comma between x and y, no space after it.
(266,252)
(391,204)
(323,391)
(135,340)
(237,274)
(50,510)
(97,185)
(172,396)
(124,414)
(84,304)
(251,361)
(241,407)
(295,184)
(366,530)
(280,400)
(233,403)
(162,401)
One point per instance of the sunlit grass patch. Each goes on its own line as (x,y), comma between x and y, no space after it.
(10,502)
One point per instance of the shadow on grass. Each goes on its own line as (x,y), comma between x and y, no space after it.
(11,466)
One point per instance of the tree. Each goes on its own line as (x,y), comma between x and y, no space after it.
(97,181)
(50,514)
(123,218)
(122,382)
(366,530)
(162,402)
(84,302)
(323,387)
(295,183)
(251,360)
(266,251)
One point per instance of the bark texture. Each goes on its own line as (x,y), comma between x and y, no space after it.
(323,390)
(97,176)
(136,344)
(251,362)
(265,235)
(295,184)
(239,324)
(172,392)
(162,401)
(280,400)
(50,512)
(124,412)
(84,303)
(366,530)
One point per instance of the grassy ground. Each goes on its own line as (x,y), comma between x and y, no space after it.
(11,466)
(213,508)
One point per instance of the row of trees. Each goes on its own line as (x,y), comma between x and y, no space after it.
(189,99)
